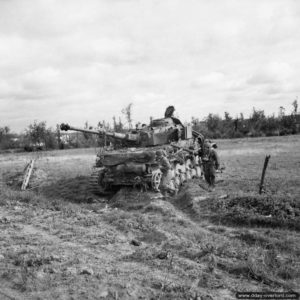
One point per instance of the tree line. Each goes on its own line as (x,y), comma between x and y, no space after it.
(256,125)
(37,136)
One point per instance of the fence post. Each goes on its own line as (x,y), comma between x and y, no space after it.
(261,186)
(28,173)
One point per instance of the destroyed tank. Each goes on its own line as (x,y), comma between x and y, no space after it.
(134,162)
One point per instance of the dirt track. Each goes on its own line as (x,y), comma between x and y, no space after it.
(89,255)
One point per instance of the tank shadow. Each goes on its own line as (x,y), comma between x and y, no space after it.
(71,189)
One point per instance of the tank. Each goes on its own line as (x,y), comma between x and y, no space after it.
(131,159)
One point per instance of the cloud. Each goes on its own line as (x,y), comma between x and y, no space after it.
(213,78)
(78,60)
(274,72)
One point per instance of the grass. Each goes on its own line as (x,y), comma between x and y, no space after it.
(232,239)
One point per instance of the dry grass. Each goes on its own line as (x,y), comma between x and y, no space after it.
(59,241)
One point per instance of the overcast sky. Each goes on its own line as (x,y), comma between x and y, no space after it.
(77,60)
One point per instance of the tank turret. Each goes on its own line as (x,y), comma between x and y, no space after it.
(158,132)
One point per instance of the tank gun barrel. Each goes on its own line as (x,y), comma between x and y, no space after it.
(100,131)
(66,127)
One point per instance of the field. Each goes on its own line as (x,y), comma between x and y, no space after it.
(58,241)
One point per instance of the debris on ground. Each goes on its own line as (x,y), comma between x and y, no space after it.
(135,243)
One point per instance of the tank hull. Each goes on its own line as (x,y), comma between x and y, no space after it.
(139,168)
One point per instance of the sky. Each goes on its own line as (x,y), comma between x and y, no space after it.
(84,60)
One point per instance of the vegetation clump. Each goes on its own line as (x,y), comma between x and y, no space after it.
(264,210)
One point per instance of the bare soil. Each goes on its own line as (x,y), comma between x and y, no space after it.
(58,241)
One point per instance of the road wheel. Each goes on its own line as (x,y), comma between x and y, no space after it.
(156,180)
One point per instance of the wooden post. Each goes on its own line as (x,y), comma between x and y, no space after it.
(28,173)
(1,182)
(261,186)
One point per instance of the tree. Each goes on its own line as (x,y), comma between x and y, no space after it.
(295,105)
(58,137)
(4,130)
(127,111)
(281,112)
(36,132)
(288,125)
(40,136)
(4,137)
(121,126)
(272,126)
(195,121)
(236,124)
(257,115)
(227,116)
(214,124)
(114,123)
(256,122)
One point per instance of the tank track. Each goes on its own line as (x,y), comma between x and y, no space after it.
(95,186)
